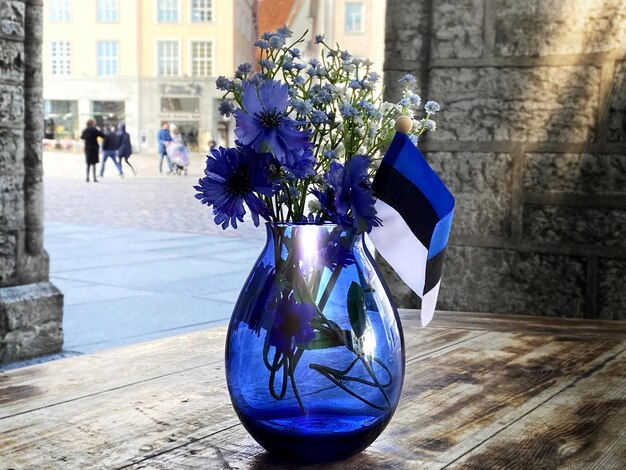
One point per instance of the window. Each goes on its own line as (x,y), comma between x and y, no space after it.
(60,54)
(167,11)
(180,105)
(354,18)
(107,58)
(201,11)
(201,58)
(60,10)
(107,11)
(107,113)
(167,58)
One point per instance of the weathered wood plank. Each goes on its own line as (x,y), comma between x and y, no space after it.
(535,325)
(583,426)
(127,423)
(452,401)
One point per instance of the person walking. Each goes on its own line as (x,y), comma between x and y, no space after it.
(164,139)
(110,145)
(92,150)
(125,149)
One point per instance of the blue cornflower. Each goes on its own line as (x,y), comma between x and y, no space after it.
(266,35)
(428,124)
(267,64)
(355,84)
(287,63)
(369,108)
(262,44)
(258,79)
(319,38)
(315,63)
(299,66)
(432,107)
(226,108)
(345,55)
(347,110)
(414,98)
(299,80)
(232,176)
(408,78)
(349,200)
(276,42)
(223,83)
(263,124)
(295,53)
(373,77)
(406,101)
(316,71)
(284,32)
(243,70)
(292,325)
(318,117)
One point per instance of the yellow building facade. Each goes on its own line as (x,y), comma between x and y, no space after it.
(143,62)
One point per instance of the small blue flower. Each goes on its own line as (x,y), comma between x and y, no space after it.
(302,107)
(276,42)
(315,63)
(414,98)
(347,110)
(406,101)
(243,70)
(299,66)
(226,108)
(287,64)
(262,44)
(299,80)
(319,38)
(232,177)
(267,64)
(318,117)
(284,32)
(408,78)
(331,154)
(355,84)
(223,83)
(428,124)
(266,36)
(258,79)
(373,77)
(345,55)
(295,53)
(292,325)
(432,107)
(413,138)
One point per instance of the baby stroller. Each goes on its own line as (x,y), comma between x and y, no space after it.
(178,154)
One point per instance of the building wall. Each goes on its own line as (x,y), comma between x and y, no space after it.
(31,308)
(531,140)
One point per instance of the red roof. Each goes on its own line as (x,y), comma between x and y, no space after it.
(273,14)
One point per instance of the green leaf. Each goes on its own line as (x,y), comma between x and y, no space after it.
(322,341)
(356,309)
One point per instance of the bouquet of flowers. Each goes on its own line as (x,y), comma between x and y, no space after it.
(309,134)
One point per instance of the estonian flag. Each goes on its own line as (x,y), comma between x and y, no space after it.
(416,209)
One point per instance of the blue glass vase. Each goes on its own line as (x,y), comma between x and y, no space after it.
(314,349)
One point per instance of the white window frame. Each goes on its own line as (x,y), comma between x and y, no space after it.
(66,10)
(63,61)
(178,12)
(211,41)
(211,8)
(112,59)
(112,7)
(345,19)
(156,56)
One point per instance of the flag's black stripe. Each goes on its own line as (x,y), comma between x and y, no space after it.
(433,271)
(394,189)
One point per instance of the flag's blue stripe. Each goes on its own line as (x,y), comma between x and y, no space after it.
(439,239)
(408,160)
(391,187)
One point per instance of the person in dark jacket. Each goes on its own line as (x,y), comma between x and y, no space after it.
(92,150)
(110,145)
(164,138)
(125,149)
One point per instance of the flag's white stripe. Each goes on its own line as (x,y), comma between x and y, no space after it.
(429,302)
(400,247)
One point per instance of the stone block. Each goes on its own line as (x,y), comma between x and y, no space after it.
(32,315)
(575,173)
(457,29)
(8,257)
(611,289)
(575,225)
(617,109)
(551,27)
(11,152)
(540,104)
(12,61)
(11,104)
(406,32)
(12,16)
(481,184)
(477,279)
(11,202)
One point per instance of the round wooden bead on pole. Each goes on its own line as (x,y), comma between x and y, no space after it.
(404,124)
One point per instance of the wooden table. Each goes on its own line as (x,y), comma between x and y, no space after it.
(481,391)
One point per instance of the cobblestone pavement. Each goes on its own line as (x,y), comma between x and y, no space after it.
(148,200)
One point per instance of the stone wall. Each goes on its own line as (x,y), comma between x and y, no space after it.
(531,140)
(30,307)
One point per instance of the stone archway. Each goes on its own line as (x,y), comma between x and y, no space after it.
(31,308)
